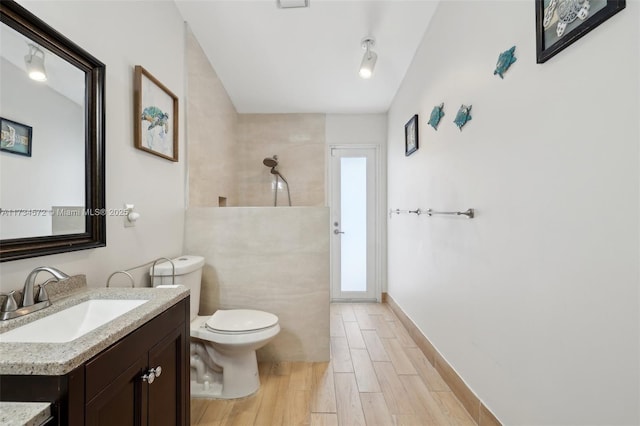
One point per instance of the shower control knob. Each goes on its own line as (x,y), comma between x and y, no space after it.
(337,231)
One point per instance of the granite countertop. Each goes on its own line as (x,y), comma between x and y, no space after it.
(24,413)
(61,358)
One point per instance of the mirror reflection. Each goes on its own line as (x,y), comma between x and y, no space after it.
(42,155)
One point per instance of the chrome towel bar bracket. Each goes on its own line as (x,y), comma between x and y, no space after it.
(469,213)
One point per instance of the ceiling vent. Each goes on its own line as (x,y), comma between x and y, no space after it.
(292,4)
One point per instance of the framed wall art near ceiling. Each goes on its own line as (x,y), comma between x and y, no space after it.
(411,136)
(559,23)
(156,116)
(16,137)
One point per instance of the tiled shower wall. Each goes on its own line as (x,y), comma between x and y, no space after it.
(299,142)
(211,132)
(226,149)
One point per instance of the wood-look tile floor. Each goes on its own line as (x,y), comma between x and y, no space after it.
(376,376)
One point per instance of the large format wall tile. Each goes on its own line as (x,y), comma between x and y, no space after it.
(299,142)
(211,133)
(272,259)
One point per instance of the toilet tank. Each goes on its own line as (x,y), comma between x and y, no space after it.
(188,272)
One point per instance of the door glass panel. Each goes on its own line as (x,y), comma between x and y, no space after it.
(353,201)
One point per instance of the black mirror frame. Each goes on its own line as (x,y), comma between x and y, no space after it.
(23,21)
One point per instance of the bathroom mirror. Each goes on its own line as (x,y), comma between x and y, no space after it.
(52,190)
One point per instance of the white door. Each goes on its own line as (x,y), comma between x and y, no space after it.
(353,183)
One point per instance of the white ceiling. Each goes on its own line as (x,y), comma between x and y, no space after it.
(273,60)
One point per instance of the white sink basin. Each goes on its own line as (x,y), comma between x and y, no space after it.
(71,323)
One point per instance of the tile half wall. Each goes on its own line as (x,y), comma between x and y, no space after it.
(274,259)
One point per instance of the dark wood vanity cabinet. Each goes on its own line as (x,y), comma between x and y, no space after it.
(111,388)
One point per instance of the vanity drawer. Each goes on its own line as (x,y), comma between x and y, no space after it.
(104,368)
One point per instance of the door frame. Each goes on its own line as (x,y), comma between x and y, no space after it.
(376,216)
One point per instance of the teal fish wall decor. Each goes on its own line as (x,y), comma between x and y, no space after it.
(463,115)
(436,115)
(505,60)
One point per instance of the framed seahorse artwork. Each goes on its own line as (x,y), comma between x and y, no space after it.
(559,23)
(156,116)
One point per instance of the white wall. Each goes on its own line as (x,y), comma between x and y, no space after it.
(124,34)
(346,129)
(535,302)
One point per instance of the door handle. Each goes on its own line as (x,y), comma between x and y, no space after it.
(337,231)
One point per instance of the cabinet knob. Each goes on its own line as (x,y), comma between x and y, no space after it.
(151,375)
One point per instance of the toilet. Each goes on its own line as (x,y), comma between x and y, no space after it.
(223,346)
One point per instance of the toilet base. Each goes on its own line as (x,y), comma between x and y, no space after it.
(211,391)
(233,375)
(206,390)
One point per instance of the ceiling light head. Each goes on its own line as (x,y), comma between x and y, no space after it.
(369,59)
(34,62)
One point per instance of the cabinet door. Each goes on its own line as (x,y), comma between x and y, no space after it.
(167,392)
(121,402)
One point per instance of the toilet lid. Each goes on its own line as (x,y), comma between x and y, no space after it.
(238,320)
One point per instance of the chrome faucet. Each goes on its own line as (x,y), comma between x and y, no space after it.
(27,291)
(16,304)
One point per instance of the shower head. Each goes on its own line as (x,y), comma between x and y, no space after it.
(271,161)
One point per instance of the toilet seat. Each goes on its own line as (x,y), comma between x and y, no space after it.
(199,330)
(240,321)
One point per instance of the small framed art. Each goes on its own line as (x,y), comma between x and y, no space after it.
(16,137)
(411,136)
(156,116)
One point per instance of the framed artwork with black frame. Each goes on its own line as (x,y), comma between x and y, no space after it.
(16,137)
(411,136)
(559,23)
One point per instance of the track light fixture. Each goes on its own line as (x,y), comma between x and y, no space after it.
(369,59)
(34,62)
